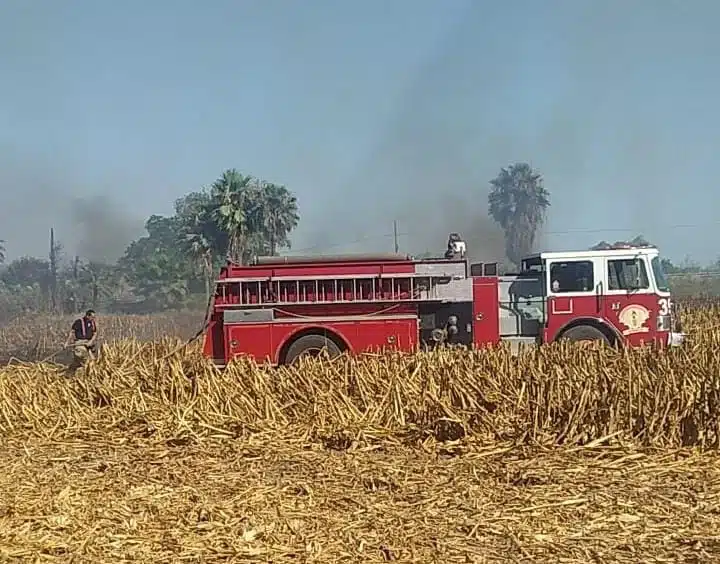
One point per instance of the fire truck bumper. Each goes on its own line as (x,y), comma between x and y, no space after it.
(675,339)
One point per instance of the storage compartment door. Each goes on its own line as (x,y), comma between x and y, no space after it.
(486,314)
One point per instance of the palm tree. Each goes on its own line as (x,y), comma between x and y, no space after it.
(246,216)
(518,203)
(256,242)
(232,196)
(2,251)
(279,213)
(199,234)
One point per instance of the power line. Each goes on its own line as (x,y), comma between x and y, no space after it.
(395,234)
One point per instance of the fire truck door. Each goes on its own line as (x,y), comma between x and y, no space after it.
(573,290)
(629,302)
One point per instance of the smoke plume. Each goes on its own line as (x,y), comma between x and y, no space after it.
(35,196)
(431,166)
(595,98)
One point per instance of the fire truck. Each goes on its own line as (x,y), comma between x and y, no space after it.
(278,309)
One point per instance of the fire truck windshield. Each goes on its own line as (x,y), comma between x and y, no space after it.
(659,274)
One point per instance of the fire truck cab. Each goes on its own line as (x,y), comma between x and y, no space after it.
(281,308)
(620,295)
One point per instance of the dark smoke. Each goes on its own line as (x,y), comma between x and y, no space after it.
(601,113)
(101,231)
(431,167)
(36,195)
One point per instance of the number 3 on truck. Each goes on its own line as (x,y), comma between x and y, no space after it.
(665,305)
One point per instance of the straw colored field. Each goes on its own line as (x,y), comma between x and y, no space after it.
(558,455)
(35,338)
(284,498)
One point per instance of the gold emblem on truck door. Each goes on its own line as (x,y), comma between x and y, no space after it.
(634,318)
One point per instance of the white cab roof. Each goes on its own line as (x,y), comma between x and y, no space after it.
(569,255)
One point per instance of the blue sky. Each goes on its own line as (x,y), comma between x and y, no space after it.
(369,111)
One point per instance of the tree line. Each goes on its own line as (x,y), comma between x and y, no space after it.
(172,266)
(238,216)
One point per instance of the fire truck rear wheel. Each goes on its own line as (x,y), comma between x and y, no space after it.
(311,345)
(585,333)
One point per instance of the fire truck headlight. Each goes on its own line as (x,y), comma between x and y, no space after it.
(664,323)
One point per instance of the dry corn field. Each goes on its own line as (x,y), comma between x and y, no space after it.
(37,338)
(560,455)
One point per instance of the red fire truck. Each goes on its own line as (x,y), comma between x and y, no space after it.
(280,308)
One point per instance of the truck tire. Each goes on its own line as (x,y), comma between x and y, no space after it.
(311,345)
(585,333)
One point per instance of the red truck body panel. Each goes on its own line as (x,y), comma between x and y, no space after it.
(486,326)
(265,341)
(391,302)
(563,310)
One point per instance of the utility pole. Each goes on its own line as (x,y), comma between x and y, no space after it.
(395,234)
(53,271)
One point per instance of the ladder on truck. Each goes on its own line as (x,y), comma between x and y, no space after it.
(250,292)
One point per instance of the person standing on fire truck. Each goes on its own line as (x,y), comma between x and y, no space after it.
(83,338)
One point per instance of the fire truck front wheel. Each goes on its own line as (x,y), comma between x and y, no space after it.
(585,333)
(311,345)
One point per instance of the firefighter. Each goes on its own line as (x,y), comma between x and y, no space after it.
(455,247)
(83,338)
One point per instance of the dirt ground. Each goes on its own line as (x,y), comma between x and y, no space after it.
(280,498)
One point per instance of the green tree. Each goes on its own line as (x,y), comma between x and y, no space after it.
(98,281)
(278,216)
(518,202)
(668,266)
(89,284)
(156,267)
(234,201)
(256,217)
(28,278)
(199,235)
(27,271)
(237,217)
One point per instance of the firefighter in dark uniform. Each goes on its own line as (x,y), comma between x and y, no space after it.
(83,338)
